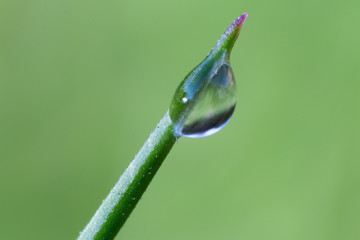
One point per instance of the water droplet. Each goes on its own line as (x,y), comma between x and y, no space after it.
(205,100)
(213,105)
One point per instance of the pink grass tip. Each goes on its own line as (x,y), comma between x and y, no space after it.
(237,24)
(240,19)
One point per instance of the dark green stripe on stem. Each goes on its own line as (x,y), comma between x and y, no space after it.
(123,198)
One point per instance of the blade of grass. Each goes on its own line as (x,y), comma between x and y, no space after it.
(123,198)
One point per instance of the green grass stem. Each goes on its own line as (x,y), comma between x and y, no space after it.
(122,199)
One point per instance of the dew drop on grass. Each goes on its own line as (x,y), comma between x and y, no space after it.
(213,106)
(205,100)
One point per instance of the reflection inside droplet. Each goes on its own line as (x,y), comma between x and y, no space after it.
(208,126)
(210,107)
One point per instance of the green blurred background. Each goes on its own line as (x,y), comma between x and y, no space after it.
(83,83)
